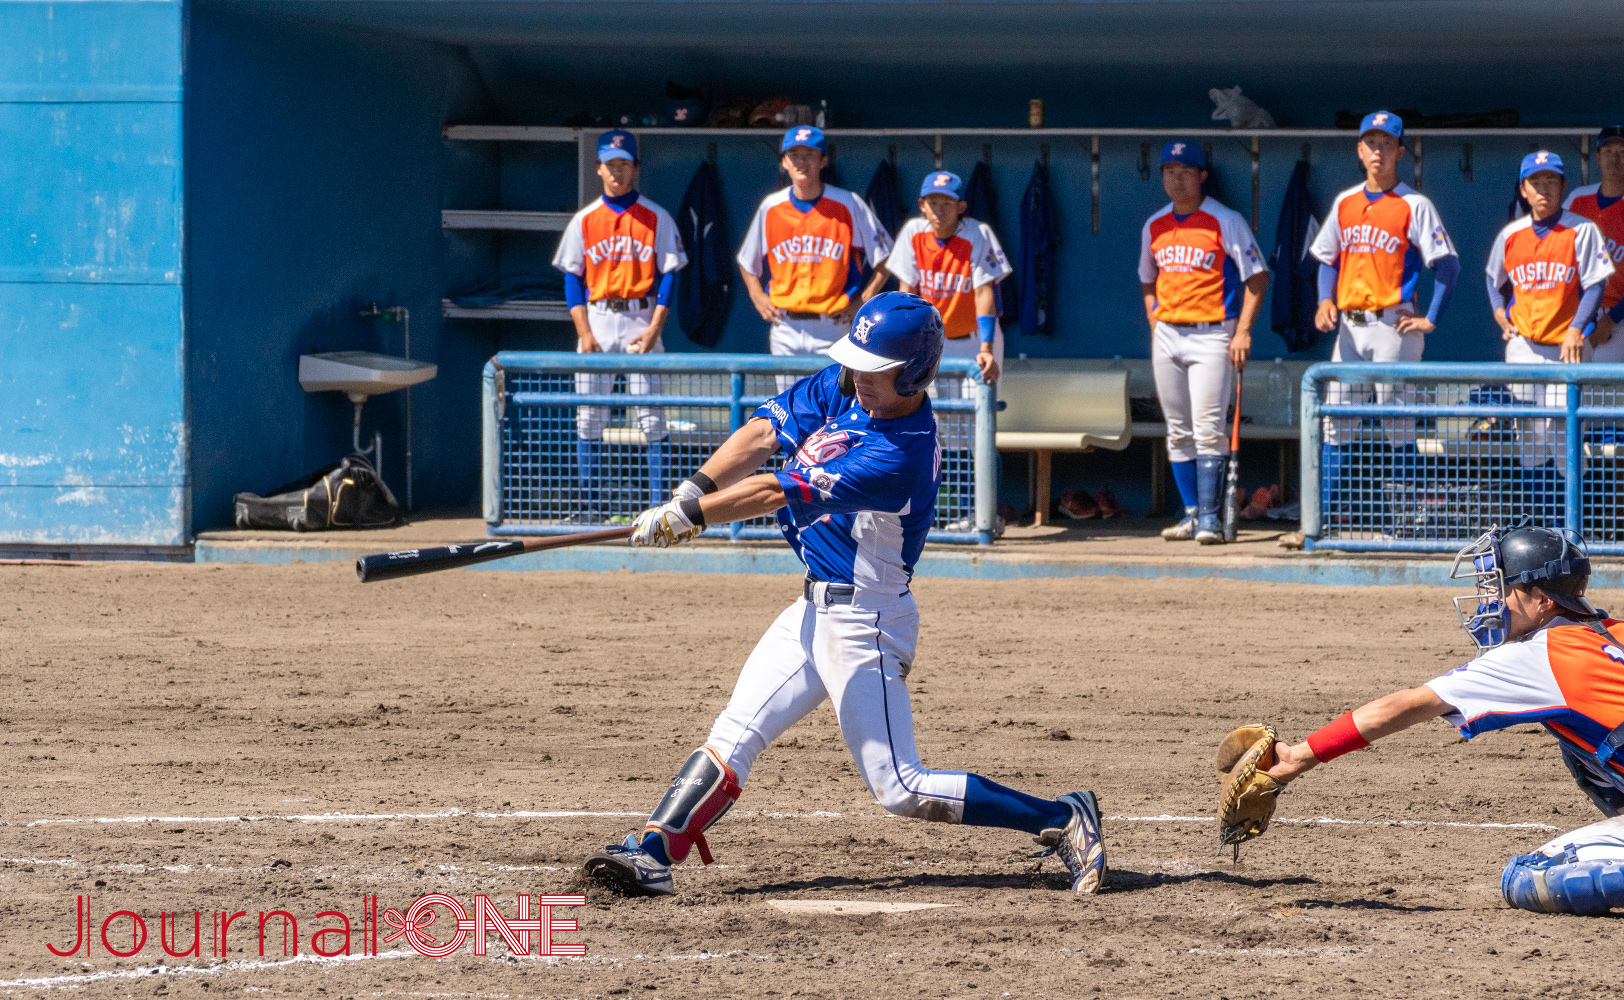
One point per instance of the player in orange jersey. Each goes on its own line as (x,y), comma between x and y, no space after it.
(1545,656)
(1371,250)
(809,242)
(1547,272)
(619,256)
(1203,278)
(1603,204)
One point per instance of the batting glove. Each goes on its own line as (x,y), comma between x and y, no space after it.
(668,524)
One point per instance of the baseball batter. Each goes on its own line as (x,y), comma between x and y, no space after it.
(1603,204)
(1547,273)
(1371,251)
(854,500)
(619,256)
(954,262)
(808,243)
(1545,656)
(1203,278)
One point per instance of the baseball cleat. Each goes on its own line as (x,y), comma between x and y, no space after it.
(631,868)
(1080,845)
(1077,506)
(1184,530)
(1209,530)
(1107,503)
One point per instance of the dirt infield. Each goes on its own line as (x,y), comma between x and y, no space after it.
(222,714)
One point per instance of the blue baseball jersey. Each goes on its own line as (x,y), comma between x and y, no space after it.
(861,491)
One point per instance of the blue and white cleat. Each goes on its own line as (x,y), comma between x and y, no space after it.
(1209,530)
(1081,844)
(631,868)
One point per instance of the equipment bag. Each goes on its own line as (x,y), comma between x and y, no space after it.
(346,495)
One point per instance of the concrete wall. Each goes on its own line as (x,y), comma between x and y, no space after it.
(92,408)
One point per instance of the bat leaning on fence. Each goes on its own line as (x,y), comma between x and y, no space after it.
(411,562)
(1232,477)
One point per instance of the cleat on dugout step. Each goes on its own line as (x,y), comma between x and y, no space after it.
(1209,530)
(1182,531)
(631,868)
(1080,845)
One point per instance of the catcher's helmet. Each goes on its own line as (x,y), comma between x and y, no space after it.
(1522,554)
(894,330)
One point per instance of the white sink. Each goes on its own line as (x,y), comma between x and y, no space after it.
(361,373)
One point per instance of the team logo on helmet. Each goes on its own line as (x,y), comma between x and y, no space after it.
(940,181)
(617,141)
(859,332)
(1178,149)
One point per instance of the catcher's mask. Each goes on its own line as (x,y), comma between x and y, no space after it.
(1520,554)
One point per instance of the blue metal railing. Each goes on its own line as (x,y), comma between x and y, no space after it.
(1425,456)
(561,452)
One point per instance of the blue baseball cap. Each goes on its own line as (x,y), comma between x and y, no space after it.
(617,144)
(1539,161)
(1383,121)
(943,182)
(804,135)
(1186,152)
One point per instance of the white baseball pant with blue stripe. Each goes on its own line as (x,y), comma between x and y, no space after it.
(855,655)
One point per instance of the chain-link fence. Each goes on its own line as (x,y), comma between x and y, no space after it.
(1427,456)
(581,441)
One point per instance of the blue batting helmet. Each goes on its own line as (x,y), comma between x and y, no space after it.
(894,330)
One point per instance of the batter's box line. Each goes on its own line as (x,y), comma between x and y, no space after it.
(1332,821)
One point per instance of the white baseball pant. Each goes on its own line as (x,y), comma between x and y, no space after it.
(1537,437)
(1376,339)
(857,656)
(802,336)
(1603,841)
(1193,382)
(614,332)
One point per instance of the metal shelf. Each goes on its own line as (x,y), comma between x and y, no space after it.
(464,218)
(552,133)
(516,309)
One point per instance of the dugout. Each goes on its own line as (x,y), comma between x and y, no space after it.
(211,189)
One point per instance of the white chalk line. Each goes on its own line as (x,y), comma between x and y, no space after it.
(242,965)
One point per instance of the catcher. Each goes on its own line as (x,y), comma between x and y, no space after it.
(1544,655)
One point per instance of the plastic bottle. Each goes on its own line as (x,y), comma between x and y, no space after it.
(1277,396)
(822,121)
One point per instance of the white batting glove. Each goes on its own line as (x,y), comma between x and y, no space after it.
(668,524)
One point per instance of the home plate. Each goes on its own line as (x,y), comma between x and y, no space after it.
(853,907)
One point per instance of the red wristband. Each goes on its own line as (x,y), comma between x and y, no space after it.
(1336,739)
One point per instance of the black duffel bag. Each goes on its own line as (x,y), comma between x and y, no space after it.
(346,495)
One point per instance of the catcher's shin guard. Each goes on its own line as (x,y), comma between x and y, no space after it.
(701,792)
(1561,884)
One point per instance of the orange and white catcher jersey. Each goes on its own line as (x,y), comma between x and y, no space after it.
(948,274)
(1548,274)
(810,258)
(1565,676)
(1379,247)
(620,255)
(1199,263)
(1586,201)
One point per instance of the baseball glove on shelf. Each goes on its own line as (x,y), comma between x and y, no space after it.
(1247,802)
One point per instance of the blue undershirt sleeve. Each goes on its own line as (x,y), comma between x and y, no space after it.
(1585,318)
(668,280)
(1446,274)
(574,290)
(1497,295)
(1327,282)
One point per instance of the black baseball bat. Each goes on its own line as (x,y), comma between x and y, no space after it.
(412,562)
(1232,478)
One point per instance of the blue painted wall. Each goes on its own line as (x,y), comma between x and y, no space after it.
(318,178)
(92,407)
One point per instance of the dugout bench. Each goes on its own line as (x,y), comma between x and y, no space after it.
(1061,404)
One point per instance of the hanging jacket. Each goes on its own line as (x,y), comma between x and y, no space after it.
(705,286)
(1037,258)
(1296,272)
(884,197)
(983,207)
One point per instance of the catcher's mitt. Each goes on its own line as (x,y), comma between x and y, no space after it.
(1247,802)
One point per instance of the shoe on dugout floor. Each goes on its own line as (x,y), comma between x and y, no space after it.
(1077,506)
(1285,512)
(1209,530)
(631,868)
(1184,530)
(1080,845)
(1107,503)
(1263,498)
